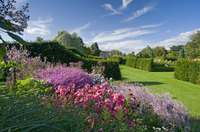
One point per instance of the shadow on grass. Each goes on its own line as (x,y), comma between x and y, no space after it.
(146,83)
(195,124)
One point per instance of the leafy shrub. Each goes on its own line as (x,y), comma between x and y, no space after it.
(62,75)
(140,63)
(4,69)
(111,68)
(30,86)
(188,70)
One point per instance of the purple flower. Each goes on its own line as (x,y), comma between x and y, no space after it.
(62,75)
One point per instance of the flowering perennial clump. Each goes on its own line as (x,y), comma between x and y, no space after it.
(163,105)
(97,96)
(64,76)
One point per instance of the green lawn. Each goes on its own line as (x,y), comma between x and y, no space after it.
(162,82)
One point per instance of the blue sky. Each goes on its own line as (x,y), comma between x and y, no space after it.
(126,25)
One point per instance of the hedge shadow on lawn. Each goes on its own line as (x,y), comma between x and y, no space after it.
(195,121)
(146,83)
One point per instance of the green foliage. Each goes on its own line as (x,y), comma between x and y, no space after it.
(17,38)
(70,40)
(146,53)
(158,67)
(56,53)
(188,70)
(159,52)
(13,20)
(4,69)
(2,52)
(119,59)
(95,49)
(53,52)
(140,63)
(30,113)
(193,47)
(30,86)
(111,68)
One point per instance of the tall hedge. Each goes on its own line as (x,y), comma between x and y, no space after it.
(188,70)
(54,52)
(140,63)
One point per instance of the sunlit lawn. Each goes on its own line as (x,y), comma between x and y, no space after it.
(162,82)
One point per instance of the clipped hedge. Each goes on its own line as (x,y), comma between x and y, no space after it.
(56,53)
(53,52)
(121,60)
(140,63)
(111,68)
(188,70)
(157,67)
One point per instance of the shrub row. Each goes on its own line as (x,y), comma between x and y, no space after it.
(56,53)
(188,70)
(157,67)
(140,63)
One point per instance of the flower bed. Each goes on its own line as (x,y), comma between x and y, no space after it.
(61,75)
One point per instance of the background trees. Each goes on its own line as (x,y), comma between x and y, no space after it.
(95,49)
(70,40)
(146,53)
(193,47)
(160,52)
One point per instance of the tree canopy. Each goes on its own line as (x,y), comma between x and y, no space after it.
(70,40)
(193,47)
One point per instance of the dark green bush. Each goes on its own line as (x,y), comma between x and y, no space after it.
(111,68)
(53,52)
(140,63)
(162,68)
(188,70)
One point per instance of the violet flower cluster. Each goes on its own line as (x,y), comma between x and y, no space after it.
(164,106)
(65,76)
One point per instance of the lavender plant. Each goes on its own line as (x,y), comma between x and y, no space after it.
(170,111)
(62,75)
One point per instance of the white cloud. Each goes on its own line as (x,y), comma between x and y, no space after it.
(125,3)
(110,8)
(124,33)
(139,13)
(39,27)
(180,39)
(126,46)
(80,29)
(120,35)
(124,39)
